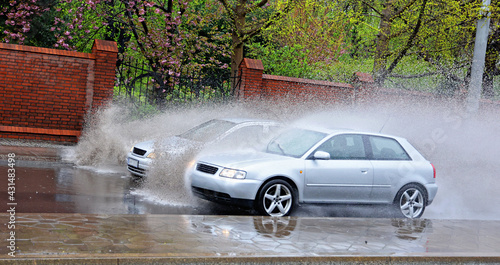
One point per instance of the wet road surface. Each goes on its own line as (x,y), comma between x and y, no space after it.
(65,188)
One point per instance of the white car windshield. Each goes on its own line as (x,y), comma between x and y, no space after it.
(295,142)
(208,131)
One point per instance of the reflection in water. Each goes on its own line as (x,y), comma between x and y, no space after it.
(37,190)
(68,189)
(275,227)
(411,229)
(236,227)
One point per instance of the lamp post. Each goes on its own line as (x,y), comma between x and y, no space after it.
(476,81)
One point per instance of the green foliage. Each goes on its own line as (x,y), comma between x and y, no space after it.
(416,44)
(285,61)
(138,105)
(343,70)
(319,27)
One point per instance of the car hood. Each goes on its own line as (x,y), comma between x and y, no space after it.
(242,159)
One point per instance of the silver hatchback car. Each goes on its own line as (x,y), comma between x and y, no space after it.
(319,166)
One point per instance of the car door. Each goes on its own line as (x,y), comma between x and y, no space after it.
(346,177)
(390,163)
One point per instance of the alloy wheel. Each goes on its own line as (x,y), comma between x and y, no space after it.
(411,203)
(277,200)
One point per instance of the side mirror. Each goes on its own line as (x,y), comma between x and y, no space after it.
(321,155)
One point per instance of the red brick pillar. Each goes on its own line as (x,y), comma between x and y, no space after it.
(364,87)
(251,79)
(105,53)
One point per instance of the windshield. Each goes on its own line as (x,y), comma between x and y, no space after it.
(208,131)
(295,142)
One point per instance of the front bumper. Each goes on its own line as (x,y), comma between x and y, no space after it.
(222,198)
(223,190)
(138,165)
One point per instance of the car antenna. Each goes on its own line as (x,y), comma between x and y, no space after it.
(386,120)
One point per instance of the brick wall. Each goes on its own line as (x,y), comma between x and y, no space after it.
(255,84)
(46,93)
(362,90)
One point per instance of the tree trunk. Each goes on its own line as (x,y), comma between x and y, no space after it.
(490,66)
(237,55)
(382,49)
(237,43)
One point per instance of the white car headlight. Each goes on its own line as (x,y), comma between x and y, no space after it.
(233,173)
(152,155)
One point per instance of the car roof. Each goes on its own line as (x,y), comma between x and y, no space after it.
(336,131)
(247,120)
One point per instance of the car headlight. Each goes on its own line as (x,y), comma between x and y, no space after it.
(233,173)
(152,155)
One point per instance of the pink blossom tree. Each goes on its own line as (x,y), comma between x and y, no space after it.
(16,17)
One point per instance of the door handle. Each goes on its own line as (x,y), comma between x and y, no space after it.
(364,171)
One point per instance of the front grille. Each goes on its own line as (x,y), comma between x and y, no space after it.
(206,168)
(136,170)
(211,195)
(138,151)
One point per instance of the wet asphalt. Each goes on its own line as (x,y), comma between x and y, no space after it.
(38,230)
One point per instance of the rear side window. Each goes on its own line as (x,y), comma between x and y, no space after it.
(384,148)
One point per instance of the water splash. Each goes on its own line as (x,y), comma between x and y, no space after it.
(464,148)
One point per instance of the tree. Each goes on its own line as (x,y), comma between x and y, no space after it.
(320,27)
(169,36)
(248,18)
(16,18)
(431,29)
(312,36)
(492,52)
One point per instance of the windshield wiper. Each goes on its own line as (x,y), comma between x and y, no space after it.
(278,145)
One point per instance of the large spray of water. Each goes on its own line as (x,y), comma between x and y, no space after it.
(464,148)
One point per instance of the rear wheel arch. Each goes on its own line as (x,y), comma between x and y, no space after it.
(426,193)
(411,200)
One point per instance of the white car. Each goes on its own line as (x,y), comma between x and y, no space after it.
(141,155)
(319,166)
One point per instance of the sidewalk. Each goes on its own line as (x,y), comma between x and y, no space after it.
(180,239)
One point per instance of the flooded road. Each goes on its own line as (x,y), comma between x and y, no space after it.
(65,188)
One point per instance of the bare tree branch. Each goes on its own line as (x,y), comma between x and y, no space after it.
(413,76)
(372,7)
(410,39)
(398,13)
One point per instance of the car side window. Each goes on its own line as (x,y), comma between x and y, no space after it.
(384,148)
(344,147)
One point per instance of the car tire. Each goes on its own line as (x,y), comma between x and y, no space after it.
(410,201)
(276,198)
